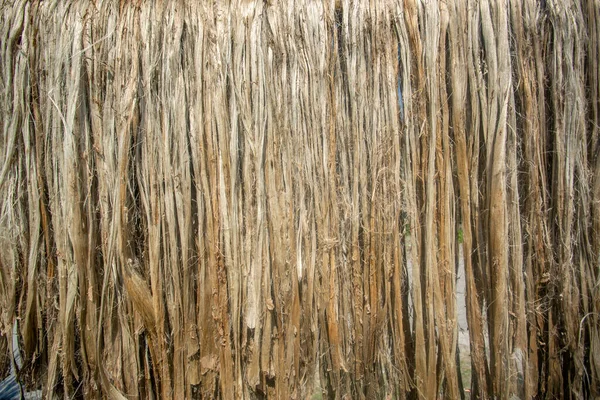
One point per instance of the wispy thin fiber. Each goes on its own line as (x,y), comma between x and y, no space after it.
(275,198)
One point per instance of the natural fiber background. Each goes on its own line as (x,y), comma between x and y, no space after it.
(268,198)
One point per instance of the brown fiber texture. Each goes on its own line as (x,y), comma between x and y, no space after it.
(248,199)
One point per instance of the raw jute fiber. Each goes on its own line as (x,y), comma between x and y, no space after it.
(255,199)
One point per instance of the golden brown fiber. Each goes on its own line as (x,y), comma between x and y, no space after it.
(279,199)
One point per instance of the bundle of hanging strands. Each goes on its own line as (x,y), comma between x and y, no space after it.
(274,198)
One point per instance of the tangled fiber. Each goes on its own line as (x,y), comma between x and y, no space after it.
(272,198)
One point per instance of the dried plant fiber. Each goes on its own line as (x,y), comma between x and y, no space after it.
(275,199)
